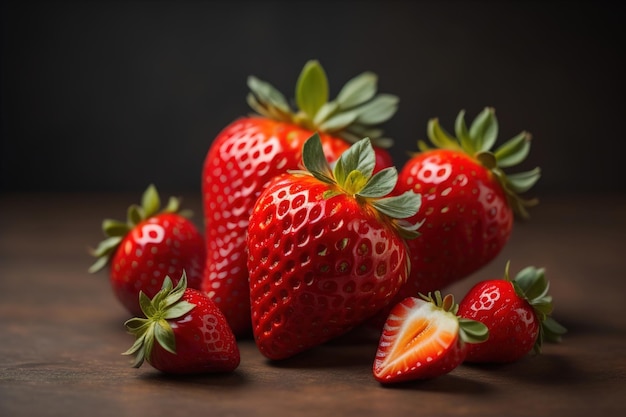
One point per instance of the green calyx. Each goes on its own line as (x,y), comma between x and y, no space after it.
(355,113)
(353,174)
(531,284)
(167,304)
(470,331)
(115,230)
(478,141)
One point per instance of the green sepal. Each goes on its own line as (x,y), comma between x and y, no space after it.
(470,331)
(477,142)
(531,284)
(166,305)
(115,230)
(353,174)
(357,107)
(311,89)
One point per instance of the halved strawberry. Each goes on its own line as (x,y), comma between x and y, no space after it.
(424,338)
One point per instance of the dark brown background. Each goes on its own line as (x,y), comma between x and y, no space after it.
(112,95)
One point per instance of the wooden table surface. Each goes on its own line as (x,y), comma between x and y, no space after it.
(62,332)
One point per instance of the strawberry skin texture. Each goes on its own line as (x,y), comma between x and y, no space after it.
(204,341)
(467,219)
(512,322)
(165,244)
(419,341)
(318,266)
(240,162)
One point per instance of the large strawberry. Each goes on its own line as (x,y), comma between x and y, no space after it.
(424,338)
(252,150)
(326,249)
(517,312)
(150,245)
(183,332)
(468,202)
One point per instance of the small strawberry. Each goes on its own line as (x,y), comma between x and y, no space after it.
(252,150)
(468,202)
(183,332)
(148,246)
(424,338)
(326,249)
(517,313)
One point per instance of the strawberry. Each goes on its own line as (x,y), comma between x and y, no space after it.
(517,313)
(326,249)
(252,150)
(424,338)
(183,332)
(468,202)
(148,246)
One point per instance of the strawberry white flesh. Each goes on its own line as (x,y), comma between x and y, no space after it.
(419,340)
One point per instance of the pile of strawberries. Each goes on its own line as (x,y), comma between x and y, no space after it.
(310,232)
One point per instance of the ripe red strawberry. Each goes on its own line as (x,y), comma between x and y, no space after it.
(468,202)
(517,313)
(148,246)
(183,332)
(424,338)
(325,249)
(252,150)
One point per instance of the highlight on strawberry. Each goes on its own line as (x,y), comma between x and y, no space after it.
(183,332)
(468,201)
(326,249)
(518,313)
(252,150)
(151,244)
(424,338)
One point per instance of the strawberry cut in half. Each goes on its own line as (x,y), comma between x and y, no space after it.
(423,338)
(151,244)
(252,150)
(183,332)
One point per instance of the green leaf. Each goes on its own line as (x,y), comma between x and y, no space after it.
(179,310)
(173,295)
(513,151)
(523,181)
(552,330)
(472,331)
(173,205)
(358,90)
(439,137)
(150,201)
(462,133)
(114,228)
(165,336)
(325,112)
(315,161)
(107,246)
(339,121)
(358,157)
(311,89)
(135,215)
(146,305)
(484,130)
(98,265)
(354,182)
(266,93)
(399,207)
(378,110)
(381,183)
